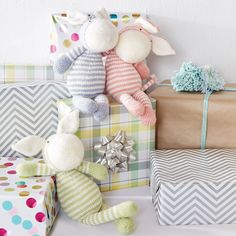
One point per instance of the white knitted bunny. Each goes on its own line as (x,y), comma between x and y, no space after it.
(125,68)
(78,194)
(86,72)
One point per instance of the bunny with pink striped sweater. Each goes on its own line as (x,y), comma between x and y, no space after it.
(125,67)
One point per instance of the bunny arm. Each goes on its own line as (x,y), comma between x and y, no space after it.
(142,69)
(33,169)
(63,63)
(95,170)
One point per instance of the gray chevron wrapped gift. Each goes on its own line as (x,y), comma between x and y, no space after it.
(28,108)
(194,186)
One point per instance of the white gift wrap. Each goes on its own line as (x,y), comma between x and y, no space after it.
(194,186)
(28,206)
(65,36)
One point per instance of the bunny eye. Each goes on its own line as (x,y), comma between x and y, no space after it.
(47,141)
(140,29)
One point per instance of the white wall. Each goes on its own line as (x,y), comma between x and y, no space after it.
(203,31)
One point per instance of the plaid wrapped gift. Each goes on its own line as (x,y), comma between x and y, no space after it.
(91,132)
(26,73)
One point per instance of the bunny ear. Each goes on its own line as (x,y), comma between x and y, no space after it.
(76,18)
(102,13)
(147,25)
(29,146)
(161,47)
(69,123)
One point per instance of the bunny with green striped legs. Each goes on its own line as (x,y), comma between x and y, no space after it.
(78,194)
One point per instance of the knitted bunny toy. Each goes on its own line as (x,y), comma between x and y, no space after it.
(125,68)
(78,194)
(86,72)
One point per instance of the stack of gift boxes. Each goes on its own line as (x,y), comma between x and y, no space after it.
(29,206)
(188,186)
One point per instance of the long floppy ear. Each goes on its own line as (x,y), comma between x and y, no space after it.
(29,146)
(69,123)
(147,25)
(161,47)
(102,13)
(77,18)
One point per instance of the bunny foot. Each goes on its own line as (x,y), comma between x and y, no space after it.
(103,108)
(125,225)
(149,117)
(134,107)
(102,112)
(85,105)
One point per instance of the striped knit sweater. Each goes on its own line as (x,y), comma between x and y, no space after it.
(86,76)
(121,77)
(80,196)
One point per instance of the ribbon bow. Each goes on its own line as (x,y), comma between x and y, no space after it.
(115,152)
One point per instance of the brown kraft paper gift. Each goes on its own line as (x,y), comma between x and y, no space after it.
(179,118)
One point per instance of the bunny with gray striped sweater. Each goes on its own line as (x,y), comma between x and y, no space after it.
(86,72)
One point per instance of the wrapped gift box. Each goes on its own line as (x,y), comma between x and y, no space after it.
(91,132)
(185,121)
(64,36)
(25,73)
(28,109)
(194,186)
(28,206)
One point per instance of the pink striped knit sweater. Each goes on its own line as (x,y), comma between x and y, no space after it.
(121,77)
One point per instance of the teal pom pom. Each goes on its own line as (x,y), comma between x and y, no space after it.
(193,78)
(213,81)
(188,78)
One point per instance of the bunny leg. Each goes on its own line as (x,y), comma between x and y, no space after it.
(149,116)
(125,209)
(134,107)
(103,107)
(85,105)
(125,225)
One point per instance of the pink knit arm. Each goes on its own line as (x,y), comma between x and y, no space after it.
(142,69)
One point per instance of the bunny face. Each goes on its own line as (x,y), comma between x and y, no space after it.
(63,152)
(137,41)
(134,46)
(99,35)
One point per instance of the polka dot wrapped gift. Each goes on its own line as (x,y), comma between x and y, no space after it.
(65,35)
(28,206)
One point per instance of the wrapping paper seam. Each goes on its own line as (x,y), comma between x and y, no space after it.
(204,119)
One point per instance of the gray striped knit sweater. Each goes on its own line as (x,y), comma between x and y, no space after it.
(86,76)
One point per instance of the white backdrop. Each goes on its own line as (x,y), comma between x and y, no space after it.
(203,31)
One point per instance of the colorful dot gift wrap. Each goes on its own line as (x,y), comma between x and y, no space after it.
(28,206)
(64,36)
(91,132)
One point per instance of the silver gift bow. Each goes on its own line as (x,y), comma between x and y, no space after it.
(115,152)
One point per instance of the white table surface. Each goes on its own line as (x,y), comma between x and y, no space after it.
(145,220)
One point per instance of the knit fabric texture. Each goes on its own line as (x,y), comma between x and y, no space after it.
(79,195)
(121,77)
(86,76)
